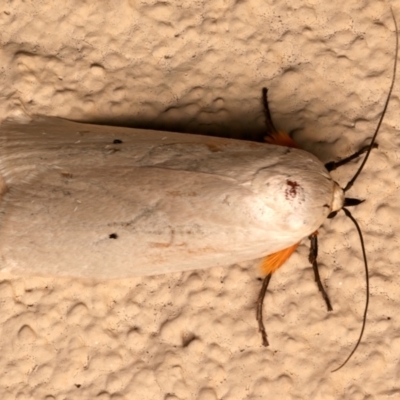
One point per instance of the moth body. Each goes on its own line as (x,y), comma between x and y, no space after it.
(104,202)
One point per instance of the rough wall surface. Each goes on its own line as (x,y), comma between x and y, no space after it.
(199,67)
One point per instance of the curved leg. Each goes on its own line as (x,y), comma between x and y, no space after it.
(312,257)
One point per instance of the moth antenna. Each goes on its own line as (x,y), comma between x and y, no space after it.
(352,202)
(347,212)
(351,182)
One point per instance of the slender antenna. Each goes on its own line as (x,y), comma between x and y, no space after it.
(347,212)
(351,182)
(351,201)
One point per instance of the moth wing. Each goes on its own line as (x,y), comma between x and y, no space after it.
(78,204)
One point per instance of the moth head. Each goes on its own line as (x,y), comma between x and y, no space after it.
(338,199)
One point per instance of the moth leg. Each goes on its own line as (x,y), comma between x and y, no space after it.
(268,120)
(313,260)
(332,165)
(268,266)
(260,302)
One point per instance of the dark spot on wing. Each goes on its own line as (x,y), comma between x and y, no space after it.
(213,147)
(66,174)
(291,189)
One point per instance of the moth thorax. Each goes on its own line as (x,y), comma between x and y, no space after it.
(337,198)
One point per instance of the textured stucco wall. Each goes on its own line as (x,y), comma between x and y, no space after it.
(199,67)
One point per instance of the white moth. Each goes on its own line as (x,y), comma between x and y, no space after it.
(104,202)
